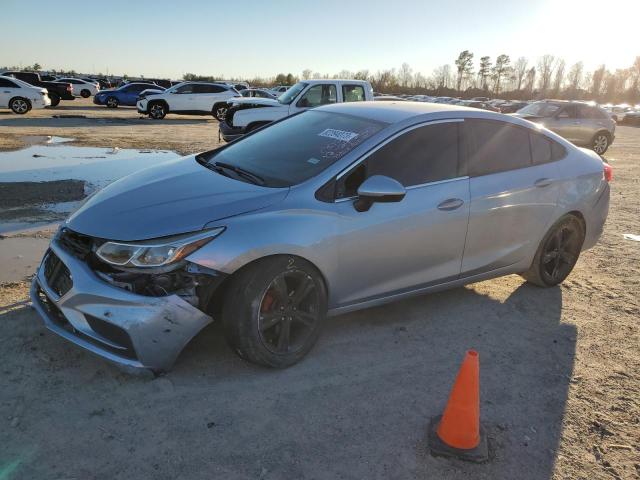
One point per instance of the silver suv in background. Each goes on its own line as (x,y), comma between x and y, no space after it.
(580,123)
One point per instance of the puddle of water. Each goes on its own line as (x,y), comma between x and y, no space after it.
(96,166)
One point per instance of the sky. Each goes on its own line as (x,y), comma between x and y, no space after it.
(263,38)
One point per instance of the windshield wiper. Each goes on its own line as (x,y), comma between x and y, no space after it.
(252,177)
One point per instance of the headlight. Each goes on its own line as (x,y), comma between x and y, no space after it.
(155,253)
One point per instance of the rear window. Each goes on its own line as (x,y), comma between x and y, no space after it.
(545,150)
(298,148)
(495,146)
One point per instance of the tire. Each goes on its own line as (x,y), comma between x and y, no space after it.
(157,110)
(219,111)
(601,142)
(273,311)
(558,253)
(55,99)
(84,93)
(20,105)
(112,102)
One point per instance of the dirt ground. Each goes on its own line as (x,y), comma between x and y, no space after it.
(560,368)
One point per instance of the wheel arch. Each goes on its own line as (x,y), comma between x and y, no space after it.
(217,297)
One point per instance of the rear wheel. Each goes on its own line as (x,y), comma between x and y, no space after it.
(55,99)
(20,105)
(558,253)
(84,93)
(112,102)
(157,110)
(273,311)
(600,142)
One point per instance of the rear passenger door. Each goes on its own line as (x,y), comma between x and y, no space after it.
(414,243)
(205,96)
(7,91)
(353,93)
(512,199)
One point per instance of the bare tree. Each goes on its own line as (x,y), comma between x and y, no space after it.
(545,70)
(442,76)
(501,69)
(559,78)
(597,80)
(530,80)
(464,64)
(306,74)
(484,72)
(635,77)
(362,75)
(405,75)
(520,70)
(575,76)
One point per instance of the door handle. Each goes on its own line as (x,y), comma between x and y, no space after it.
(543,182)
(450,204)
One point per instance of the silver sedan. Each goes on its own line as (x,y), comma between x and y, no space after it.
(335,209)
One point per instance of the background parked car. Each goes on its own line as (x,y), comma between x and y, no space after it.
(578,122)
(257,92)
(632,118)
(56,91)
(81,88)
(280,89)
(477,104)
(194,98)
(20,96)
(512,107)
(126,95)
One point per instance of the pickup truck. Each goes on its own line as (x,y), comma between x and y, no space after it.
(57,91)
(247,114)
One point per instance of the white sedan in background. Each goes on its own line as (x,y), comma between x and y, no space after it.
(20,96)
(81,88)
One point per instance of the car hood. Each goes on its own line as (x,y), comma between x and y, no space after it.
(172,198)
(262,102)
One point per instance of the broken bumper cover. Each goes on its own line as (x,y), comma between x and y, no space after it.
(128,329)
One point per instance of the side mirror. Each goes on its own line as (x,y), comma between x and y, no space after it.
(378,188)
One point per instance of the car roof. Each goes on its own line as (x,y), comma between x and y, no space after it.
(397,111)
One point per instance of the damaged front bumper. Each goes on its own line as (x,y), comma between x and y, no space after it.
(126,328)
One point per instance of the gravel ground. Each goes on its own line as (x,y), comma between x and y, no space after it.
(560,375)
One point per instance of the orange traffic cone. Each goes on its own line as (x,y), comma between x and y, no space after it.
(457,433)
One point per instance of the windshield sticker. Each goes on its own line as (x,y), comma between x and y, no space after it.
(314,161)
(338,134)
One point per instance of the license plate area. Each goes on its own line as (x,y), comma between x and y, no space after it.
(57,274)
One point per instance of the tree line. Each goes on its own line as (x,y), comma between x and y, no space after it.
(547,77)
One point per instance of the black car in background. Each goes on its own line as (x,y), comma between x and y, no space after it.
(57,91)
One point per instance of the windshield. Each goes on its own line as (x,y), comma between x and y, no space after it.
(298,148)
(540,109)
(287,97)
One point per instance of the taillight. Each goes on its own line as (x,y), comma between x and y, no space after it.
(608,172)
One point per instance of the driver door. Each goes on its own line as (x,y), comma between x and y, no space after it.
(565,123)
(316,95)
(182,98)
(416,242)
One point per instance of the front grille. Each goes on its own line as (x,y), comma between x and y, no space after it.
(57,274)
(76,244)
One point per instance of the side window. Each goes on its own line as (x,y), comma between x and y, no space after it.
(568,112)
(353,93)
(199,88)
(423,155)
(558,152)
(495,146)
(7,83)
(585,111)
(540,149)
(318,95)
(185,88)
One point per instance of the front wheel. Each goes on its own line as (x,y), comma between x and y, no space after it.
(558,253)
(20,105)
(600,143)
(157,111)
(112,102)
(274,310)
